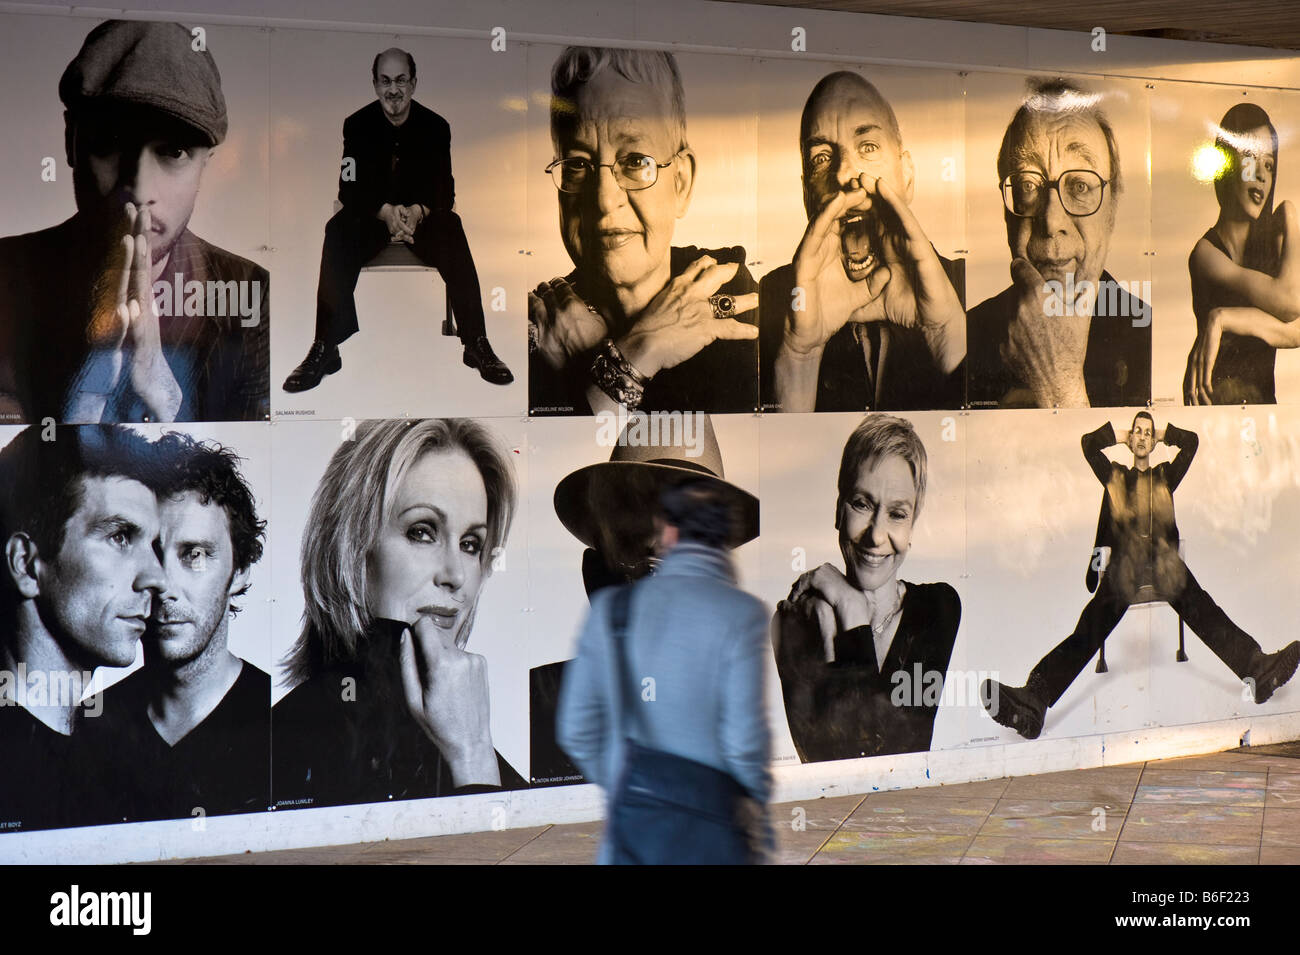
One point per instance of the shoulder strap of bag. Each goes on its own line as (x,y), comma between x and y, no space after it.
(620,608)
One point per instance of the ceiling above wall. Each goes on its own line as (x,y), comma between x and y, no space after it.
(1270,23)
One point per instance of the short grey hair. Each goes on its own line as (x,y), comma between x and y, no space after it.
(579,65)
(877,437)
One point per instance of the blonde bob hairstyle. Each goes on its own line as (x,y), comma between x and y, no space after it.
(348,511)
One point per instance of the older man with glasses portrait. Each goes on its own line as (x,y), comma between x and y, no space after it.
(639,323)
(1065,333)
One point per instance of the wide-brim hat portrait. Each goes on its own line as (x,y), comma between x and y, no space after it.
(610,506)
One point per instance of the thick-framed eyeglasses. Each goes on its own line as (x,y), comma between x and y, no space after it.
(401,82)
(1080,190)
(632,172)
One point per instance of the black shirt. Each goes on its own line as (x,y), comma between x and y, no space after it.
(345,736)
(34,779)
(221,766)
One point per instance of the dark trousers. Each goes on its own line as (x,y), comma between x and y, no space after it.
(1056,671)
(351,242)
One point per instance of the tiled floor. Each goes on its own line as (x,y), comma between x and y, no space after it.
(1237,808)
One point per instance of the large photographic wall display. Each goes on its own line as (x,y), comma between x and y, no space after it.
(956,332)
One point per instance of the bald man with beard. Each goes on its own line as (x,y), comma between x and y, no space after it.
(868,315)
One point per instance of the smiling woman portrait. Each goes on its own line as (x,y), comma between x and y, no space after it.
(639,322)
(387,702)
(849,643)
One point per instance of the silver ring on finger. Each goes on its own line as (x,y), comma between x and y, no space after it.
(724,306)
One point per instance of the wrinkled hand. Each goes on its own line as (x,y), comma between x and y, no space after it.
(1197,387)
(446,691)
(679,322)
(562,324)
(830,298)
(1045,350)
(392,217)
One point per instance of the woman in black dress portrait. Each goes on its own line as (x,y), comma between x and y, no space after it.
(862,655)
(1245,271)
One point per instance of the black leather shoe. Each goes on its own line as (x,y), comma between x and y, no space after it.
(1014,707)
(478,354)
(1274,669)
(321,360)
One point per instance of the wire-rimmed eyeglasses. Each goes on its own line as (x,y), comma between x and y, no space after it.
(632,172)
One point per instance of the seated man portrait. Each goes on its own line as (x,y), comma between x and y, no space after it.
(868,315)
(121,313)
(395,182)
(1064,334)
(638,323)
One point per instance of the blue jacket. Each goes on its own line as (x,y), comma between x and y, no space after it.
(703,642)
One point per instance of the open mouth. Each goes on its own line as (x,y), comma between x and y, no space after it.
(859,235)
(871,560)
(443,617)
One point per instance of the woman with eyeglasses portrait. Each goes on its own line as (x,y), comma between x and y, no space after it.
(1244,271)
(387,702)
(639,323)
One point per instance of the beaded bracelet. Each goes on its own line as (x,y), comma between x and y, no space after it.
(613,374)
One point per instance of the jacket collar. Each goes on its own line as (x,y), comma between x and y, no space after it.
(690,559)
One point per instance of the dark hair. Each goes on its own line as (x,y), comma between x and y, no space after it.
(1242,118)
(701,510)
(1056,97)
(212,472)
(374,67)
(41,480)
(1143,414)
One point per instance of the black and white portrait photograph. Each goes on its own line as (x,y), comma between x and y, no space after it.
(398,169)
(861,223)
(135,287)
(862,645)
(1225,225)
(395,665)
(1059,311)
(1154,626)
(135,678)
(645,300)
(595,487)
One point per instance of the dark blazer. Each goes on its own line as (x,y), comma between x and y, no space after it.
(1135,552)
(1116,366)
(403,165)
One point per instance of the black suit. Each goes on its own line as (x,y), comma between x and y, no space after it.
(402,165)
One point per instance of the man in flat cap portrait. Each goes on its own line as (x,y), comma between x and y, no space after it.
(121,313)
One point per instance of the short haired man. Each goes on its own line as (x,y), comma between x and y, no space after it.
(868,315)
(1137,523)
(400,187)
(639,323)
(78,520)
(121,313)
(700,638)
(1064,334)
(189,733)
